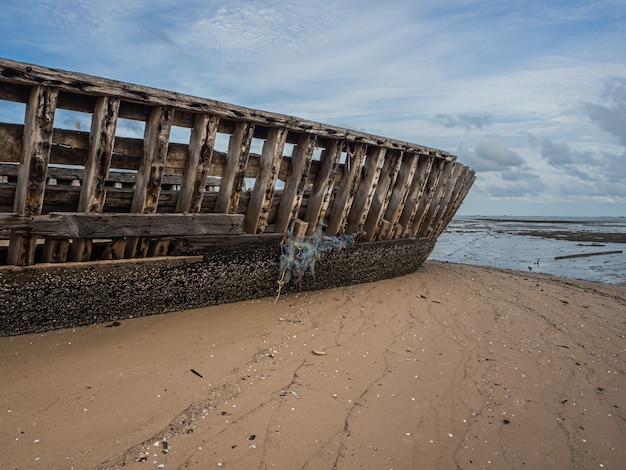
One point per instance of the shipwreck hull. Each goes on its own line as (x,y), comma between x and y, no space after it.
(101,221)
(46,297)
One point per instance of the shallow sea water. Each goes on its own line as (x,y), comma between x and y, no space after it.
(527,244)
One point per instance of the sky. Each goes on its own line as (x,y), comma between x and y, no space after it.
(529,93)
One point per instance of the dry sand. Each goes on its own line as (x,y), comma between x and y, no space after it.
(452,367)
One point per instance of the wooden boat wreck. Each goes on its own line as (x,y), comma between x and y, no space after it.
(118,200)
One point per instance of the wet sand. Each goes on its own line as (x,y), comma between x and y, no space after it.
(452,367)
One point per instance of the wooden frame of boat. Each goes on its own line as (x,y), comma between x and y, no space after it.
(75,201)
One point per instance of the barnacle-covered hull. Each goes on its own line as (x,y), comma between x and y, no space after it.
(45,297)
(100,221)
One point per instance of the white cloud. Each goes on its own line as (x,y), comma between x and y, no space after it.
(530,93)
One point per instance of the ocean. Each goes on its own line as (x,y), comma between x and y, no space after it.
(560,246)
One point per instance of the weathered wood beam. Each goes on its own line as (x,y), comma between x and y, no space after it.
(453,185)
(347,189)
(101,141)
(13,221)
(235,168)
(55,250)
(105,225)
(386,182)
(427,196)
(151,170)
(199,245)
(33,169)
(14,92)
(424,165)
(367,187)
(36,151)
(198,163)
(299,229)
(427,227)
(295,184)
(93,193)
(263,190)
(114,250)
(399,193)
(11,142)
(468,181)
(323,186)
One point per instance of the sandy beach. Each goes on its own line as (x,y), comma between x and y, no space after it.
(452,367)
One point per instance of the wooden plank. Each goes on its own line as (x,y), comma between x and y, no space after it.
(384,227)
(425,200)
(386,182)
(11,142)
(200,245)
(158,248)
(468,181)
(114,250)
(93,193)
(263,191)
(14,222)
(151,170)
(101,140)
(295,183)
(37,139)
(351,173)
(453,186)
(399,193)
(367,187)
(33,169)
(235,169)
(14,92)
(427,228)
(323,186)
(396,232)
(198,163)
(55,250)
(81,84)
(299,229)
(127,178)
(106,225)
(424,165)
(586,255)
